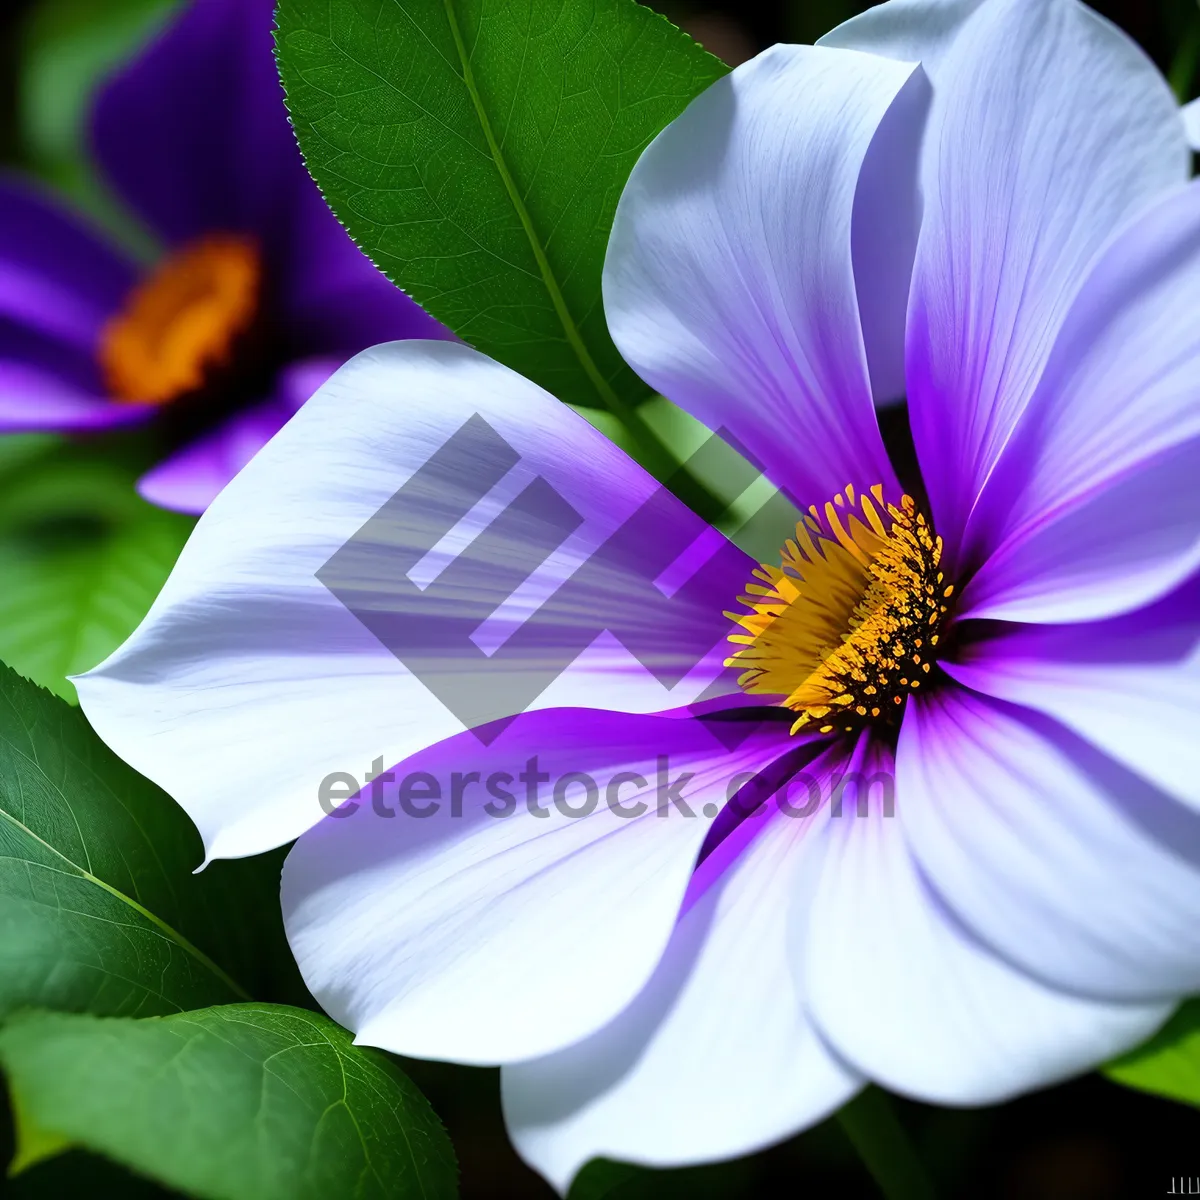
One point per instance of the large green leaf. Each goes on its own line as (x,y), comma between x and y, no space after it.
(476,149)
(241,1102)
(99,909)
(1168,1064)
(82,556)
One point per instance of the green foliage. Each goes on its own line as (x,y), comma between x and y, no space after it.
(99,909)
(82,556)
(242,1102)
(476,149)
(1168,1064)
(101,916)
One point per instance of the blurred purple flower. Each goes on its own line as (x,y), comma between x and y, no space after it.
(260,296)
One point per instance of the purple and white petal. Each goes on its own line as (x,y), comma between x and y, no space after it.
(1060,859)
(734,273)
(1134,540)
(1050,129)
(1092,509)
(1130,685)
(716,1057)
(533,901)
(189,480)
(249,649)
(916,1002)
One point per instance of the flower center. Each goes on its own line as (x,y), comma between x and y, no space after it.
(183,322)
(848,624)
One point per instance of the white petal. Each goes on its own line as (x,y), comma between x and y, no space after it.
(1191,123)
(906,30)
(715,1057)
(1092,509)
(250,682)
(915,1002)
(730,281)
(1130,685)
(1049,130)
(486,938)
(1058,858)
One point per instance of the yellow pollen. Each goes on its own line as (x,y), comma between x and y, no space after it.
(183,321)
(841,622)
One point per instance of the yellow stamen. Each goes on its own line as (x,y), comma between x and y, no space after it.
(846,614)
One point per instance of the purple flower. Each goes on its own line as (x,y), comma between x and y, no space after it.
(1008,650)
(260,295)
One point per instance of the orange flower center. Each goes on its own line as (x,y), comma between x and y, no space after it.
(183,322)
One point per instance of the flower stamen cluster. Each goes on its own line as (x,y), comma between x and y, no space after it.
(849,623)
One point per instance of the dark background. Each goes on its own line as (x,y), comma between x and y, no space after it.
(1088,1140)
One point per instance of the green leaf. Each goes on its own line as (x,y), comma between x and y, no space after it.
(34,1145)
(1169,1063)
(605,1179)
(242,1102)
(476,150)
(99,910)
(82,557)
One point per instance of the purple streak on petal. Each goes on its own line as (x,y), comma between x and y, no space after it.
(719,1040)
(57,276)
(903,990)
(1049,129)
(565,913)
(194,132)
(731,284)
(1130,684)
(1165,632)
(771,794)
(247,610)
(1062,860)
(34,400)
(1118,393)
(1133,539)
